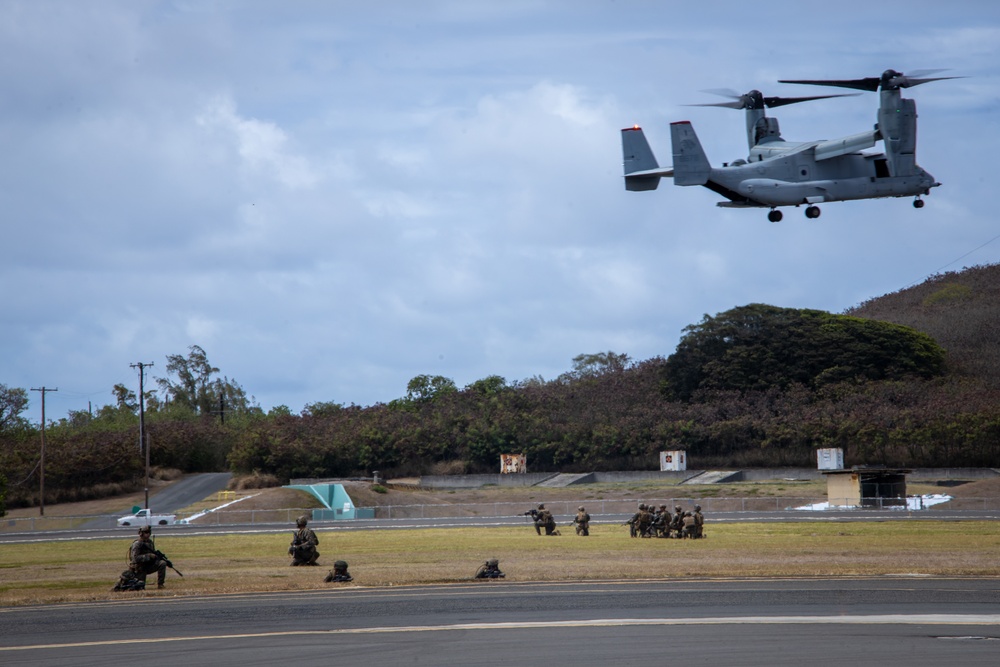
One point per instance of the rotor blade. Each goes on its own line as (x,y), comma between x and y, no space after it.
(870,83)
(920,73)
(724,92)
(725,105)
(910,81)
(771,102)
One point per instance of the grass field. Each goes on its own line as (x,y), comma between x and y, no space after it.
(87,570)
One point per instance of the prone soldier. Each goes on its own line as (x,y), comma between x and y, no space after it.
(339,572)
(490,570)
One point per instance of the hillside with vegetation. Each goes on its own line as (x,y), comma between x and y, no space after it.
(908,379)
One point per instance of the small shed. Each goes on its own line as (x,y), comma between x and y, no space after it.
(866,487)
(675,460)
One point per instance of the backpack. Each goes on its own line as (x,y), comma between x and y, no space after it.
(129,582)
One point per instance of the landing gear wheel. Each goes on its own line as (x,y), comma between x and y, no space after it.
(918,203)
(774,215)
(813,212)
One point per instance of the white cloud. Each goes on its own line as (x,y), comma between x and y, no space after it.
(261,145)
(375,195)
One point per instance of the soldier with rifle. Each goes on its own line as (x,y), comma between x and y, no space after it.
(633,523)
(144,559)
(543,519)
(304,542)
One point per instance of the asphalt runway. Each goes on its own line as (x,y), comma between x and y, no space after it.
(911,621)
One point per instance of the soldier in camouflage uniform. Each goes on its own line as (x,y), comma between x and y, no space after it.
(677,521)
(544,519)
(339,572)
(644,521)
(490,570)
(661,522)
(143,558)
(304,542)
(690,529)
(699,521)
(582,522)
(633,523)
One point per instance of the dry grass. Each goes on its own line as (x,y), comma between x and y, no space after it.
(83,571)
(223,564)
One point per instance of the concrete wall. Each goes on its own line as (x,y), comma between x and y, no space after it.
(765,474)
(476,481)
(676,477)
(933,474)
(672,476)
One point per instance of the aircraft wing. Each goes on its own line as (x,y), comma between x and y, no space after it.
(846,145)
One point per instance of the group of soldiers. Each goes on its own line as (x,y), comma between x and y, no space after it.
(652,521)
(303,551)
(649,521)
(144,559)
(543,520)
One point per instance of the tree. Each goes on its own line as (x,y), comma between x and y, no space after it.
(321,409)
(758,347)
(425,388)
(13,401)
(488,386)
(196,389)
(125,398)
(593,365)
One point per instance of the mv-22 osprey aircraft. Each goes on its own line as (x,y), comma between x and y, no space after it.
(782,173)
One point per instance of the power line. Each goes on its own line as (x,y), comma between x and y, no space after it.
(917,282)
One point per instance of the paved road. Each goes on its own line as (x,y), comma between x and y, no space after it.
(176,496)
(750,623)
(189,490)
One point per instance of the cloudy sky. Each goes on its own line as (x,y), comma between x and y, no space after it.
(333,197)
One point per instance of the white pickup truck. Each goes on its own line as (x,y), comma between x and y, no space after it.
(146,518)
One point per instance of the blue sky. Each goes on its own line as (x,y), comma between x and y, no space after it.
(331,198)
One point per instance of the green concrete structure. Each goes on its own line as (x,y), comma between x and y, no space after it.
(338,505)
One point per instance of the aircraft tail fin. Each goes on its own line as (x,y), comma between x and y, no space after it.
(641,169)
(691,165)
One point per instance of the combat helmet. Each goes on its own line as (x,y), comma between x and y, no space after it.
(145,530)
(541,506)
(301,521)
(697,508)
(580,509)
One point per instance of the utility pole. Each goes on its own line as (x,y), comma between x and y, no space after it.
(41,465)
(142,420)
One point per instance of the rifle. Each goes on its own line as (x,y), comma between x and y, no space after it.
(162,556)
(533,513)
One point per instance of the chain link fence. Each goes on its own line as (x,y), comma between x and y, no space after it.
(563,509)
